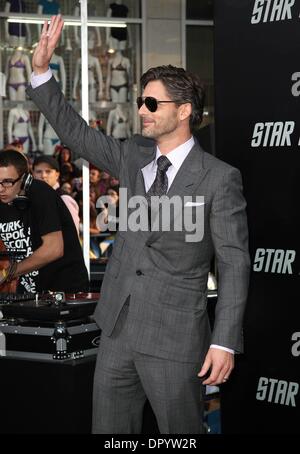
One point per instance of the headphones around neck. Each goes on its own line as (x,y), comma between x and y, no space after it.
(21,202)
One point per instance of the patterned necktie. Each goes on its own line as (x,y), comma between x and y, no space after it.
(160,184)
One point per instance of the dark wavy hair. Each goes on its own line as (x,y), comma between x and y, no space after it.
(14,158)
(182,86)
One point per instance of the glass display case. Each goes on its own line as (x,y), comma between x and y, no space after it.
(114,67)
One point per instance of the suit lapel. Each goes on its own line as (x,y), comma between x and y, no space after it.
(187,179)
(140,183)
(137,183)
(190,174)
(144,156)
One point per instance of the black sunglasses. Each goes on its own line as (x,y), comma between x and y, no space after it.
(150,102)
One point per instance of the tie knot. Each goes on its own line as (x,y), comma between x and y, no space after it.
(163,163)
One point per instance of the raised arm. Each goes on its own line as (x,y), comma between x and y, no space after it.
(104,152)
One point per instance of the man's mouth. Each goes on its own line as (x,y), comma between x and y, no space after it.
(147,122)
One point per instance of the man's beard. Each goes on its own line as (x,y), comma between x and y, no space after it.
(156,131)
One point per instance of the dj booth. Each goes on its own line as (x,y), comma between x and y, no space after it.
(48,346)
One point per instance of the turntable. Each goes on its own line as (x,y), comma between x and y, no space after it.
(50,326)
(50,306)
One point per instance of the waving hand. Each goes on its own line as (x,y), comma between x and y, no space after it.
(47,44)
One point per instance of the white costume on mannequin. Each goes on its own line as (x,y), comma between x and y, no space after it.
(118,75)
(16,34)
(47,136)
(18,72)
(19,127)
(118,123)
(93,33)
(94,69)
(57,67)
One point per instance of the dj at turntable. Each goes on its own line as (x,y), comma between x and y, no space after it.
(36,227)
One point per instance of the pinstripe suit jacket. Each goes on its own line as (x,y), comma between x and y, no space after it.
(168,294)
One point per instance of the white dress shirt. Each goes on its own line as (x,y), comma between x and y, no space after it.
(176,157)
(39,79)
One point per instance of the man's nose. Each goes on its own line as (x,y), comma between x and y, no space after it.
(143,109)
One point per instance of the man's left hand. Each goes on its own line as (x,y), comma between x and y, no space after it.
(220,363)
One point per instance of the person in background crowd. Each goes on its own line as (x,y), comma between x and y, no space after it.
(67,168)
(67,173)
(114,183)
(95,177)
(36,224)
(46,168)
(104,182)
(67,188)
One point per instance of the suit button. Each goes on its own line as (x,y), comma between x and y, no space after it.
(138,272)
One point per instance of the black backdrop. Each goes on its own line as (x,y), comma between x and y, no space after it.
(257,68)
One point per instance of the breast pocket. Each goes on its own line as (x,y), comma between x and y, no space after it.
(194,221)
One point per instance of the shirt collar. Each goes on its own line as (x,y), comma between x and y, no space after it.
(178,155)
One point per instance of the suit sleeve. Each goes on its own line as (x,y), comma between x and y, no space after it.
(229,230)
(102,151)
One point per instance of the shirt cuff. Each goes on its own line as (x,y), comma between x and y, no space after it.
(222,348)
(39,79)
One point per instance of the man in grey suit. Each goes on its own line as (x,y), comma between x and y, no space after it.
(156,340)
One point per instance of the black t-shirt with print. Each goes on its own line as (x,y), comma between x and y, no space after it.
(22,231)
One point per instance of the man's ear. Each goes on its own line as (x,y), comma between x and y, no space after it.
(185,111)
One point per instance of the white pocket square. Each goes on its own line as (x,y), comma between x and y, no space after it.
(194,204)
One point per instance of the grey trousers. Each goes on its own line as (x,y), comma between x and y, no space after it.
(125,378)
